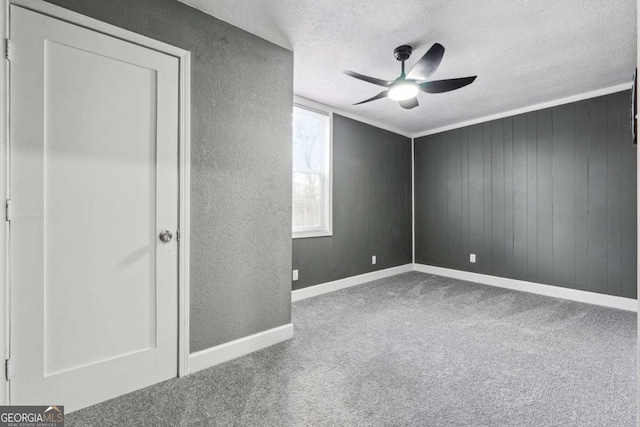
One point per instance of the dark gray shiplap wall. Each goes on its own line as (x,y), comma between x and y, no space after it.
(241,165)
(371,207)
(547,197)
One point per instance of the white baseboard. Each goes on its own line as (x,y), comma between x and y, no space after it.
(347,282)
(222,353)
(628,304)
(621,303)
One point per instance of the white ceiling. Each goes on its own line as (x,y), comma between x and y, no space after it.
(524,53)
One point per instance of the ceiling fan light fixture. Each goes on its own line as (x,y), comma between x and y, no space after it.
(403,90)
(406,87)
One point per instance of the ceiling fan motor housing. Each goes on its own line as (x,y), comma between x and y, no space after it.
(402,53)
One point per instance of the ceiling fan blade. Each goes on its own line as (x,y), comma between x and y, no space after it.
(408,104)
(439,86)
(379,82)
(382,94)
(428,64)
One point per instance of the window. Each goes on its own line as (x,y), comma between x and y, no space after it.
(311,173)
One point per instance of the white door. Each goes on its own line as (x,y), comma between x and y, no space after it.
(94,181)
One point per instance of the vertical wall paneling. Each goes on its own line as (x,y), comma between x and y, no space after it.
(442,213)
(547,196)
(476,195)
(423,216)
(509,261)
(532,197)
(371,205)
(628,204)
(496,140)
(431,226)
(520,197)
(597,196)
(454,193)
(581,206)
(564,193)
(486,259)
(614,202)
(464,176)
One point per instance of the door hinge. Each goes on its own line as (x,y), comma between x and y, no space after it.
(7,210)
(9,369)
(7,49)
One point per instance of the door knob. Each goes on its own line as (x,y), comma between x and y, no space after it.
(166,236)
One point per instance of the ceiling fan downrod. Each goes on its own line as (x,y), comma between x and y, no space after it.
(402,53)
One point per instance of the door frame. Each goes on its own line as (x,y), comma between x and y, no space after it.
(184,167)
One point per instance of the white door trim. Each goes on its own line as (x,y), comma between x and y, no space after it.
(184,58)
(4,194)
(184,124)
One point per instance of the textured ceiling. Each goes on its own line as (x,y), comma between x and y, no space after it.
(524,52)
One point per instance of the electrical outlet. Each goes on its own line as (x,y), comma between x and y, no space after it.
(472,258)
(295,275)
(373,259)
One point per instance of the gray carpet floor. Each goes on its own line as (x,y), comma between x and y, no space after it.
(412,350)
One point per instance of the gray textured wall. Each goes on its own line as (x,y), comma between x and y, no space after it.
(242,91)
(371,207)
(548,197)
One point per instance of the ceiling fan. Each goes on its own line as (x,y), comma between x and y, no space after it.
(406,87)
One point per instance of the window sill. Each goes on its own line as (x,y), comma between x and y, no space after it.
(308,234)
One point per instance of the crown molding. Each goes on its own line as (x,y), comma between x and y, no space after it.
(329,109)
(536,107)
(562,101)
